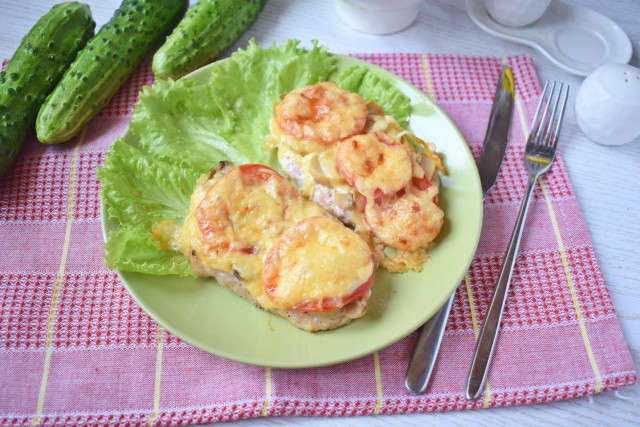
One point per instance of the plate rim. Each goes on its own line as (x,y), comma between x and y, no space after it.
(327,361)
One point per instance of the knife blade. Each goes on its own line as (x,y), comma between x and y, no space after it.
(493,148)
(495,141)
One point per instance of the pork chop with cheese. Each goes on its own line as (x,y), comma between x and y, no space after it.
(358,163)
(251,230)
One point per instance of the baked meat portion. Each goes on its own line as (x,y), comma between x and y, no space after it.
(250,229)
(358,163)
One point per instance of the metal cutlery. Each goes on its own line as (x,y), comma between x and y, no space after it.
(539,154)
(428,345)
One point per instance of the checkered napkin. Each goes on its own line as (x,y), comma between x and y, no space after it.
(76,349)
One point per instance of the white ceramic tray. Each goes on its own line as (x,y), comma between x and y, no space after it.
(576,39)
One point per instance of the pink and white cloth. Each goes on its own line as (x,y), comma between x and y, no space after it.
(75,348)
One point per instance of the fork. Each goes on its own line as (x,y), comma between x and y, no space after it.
(539,154)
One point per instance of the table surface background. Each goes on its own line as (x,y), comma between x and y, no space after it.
(608,195)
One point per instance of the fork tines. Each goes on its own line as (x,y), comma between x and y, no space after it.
(545,128)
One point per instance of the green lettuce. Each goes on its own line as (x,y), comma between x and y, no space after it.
(181,129)
(371,87)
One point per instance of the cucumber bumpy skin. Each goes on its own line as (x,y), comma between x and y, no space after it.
(104,65)
(35,68)
(207,29)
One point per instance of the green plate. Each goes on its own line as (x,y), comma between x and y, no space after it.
(212,318)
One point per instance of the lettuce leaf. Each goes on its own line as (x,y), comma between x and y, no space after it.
(180,129)
(227,118)
(373,88)
(138,190)
(132,249)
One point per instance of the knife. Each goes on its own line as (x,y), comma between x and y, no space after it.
(495,142)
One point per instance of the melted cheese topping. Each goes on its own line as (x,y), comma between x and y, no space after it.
(322,112)
(317,166)
(235,219)
(374,163)
(317,250)
(408,221)
(277,137)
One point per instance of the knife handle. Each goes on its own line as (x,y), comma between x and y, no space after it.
(426,350)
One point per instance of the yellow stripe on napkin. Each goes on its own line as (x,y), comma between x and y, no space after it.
(427,79)
(158,379)
(267,392)
(51,321)
(472,306)
(376,365)
(574,299)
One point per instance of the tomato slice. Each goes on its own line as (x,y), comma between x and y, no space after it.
(323,112)
(317,265)
(243,206)
(407,220)
(374,163)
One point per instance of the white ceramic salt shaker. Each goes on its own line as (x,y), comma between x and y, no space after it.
(378,16)
(607,106)
(516,13)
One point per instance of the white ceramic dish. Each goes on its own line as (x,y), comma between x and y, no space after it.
(576,39)
(378,16)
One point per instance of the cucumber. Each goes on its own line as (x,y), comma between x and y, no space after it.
(35,68)
(206,30)
(104,64)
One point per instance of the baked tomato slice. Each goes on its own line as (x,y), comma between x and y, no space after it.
(374,164)
(244,207)
(322,112)
(318,264)
(407,220)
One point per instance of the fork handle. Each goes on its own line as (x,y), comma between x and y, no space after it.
(489,332)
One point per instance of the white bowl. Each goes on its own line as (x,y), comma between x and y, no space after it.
(516,13)
(378,16)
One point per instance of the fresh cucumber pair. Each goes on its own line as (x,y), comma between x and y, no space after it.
(35,69)
(60,76)
(104,64)
(46,84)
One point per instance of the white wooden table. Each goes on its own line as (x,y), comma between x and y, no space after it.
(606,179)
